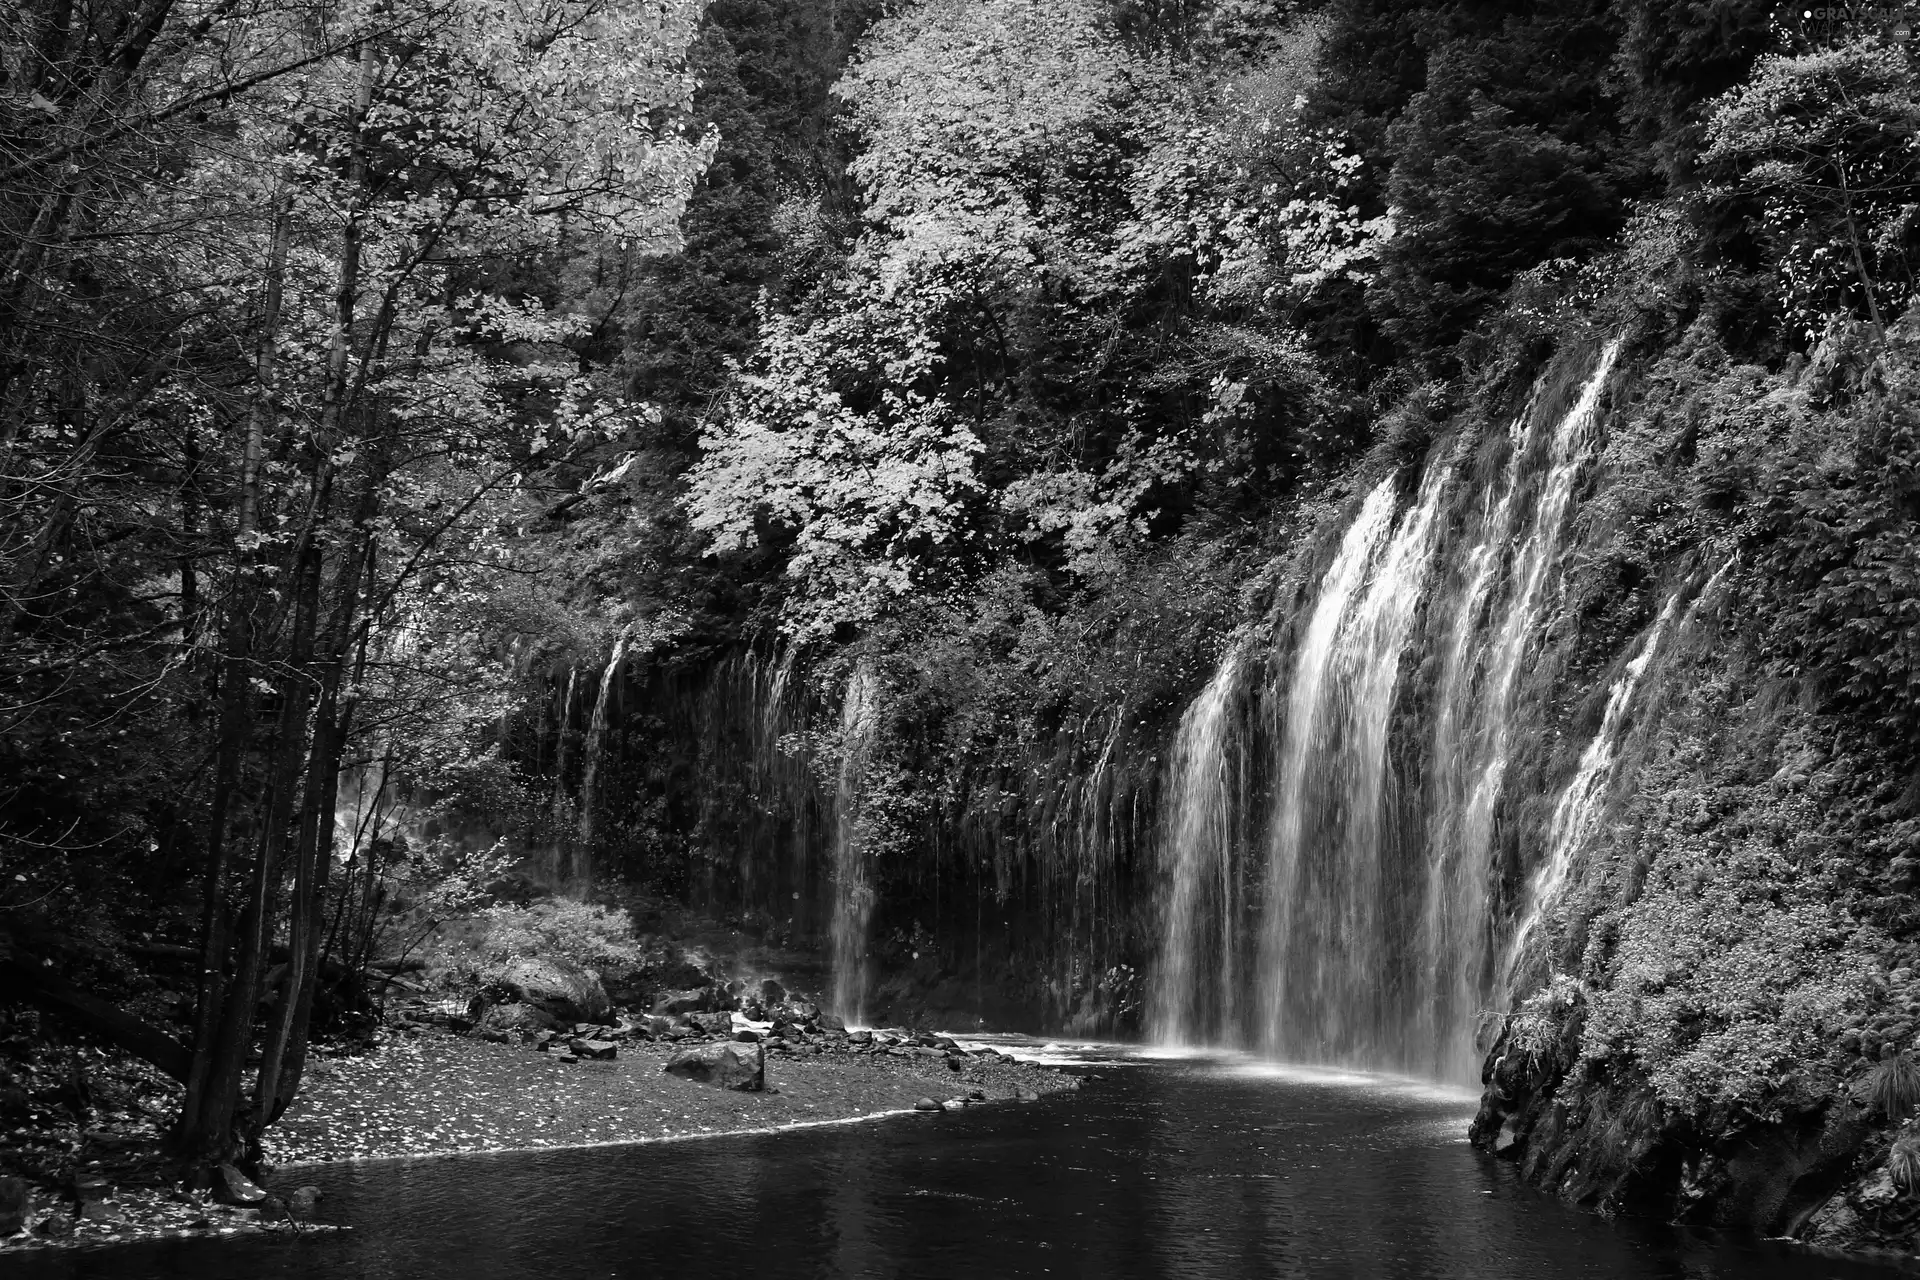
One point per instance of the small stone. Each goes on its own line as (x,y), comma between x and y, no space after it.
(274,1209)
(955,1062)
(569,1057)
(100,1211)
(303,1200)
(859,1037)
(55,1225)
(595,1050)
(712,1023)
(747,1035)
(928,1104)
(771,992)
(1026,1095)
(976,1095)
(832,1022)
(954,1104)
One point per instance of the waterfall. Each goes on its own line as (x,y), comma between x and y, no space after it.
(1489,740)
(1195,989)
(852,890)
(1330,942)
(1391,710)
(1578,810)
(581,873)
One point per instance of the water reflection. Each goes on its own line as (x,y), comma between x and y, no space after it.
(1163,1168)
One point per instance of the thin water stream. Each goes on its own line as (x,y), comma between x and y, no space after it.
(1166,1167)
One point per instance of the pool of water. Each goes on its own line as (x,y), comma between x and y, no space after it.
(1162,1167)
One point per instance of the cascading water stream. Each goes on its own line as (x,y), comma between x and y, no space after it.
(1331,940)
(582,869)
(1578,810)
(852,891)
(1377,943)
(1196,989)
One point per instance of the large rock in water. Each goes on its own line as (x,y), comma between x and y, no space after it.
(730,1064)
(560,987)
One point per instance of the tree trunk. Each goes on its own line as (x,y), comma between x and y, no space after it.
(236,684)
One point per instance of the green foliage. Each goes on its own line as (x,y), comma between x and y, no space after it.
(593,937)
(1061,330)
(1673,56)
(1728,977)
(868,501)
(1903,1162)
(1504,160)
(1834,525)
(1825,145)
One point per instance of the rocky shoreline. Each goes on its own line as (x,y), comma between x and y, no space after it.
(439,1083)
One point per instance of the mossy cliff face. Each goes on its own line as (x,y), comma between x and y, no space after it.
(1729,1034)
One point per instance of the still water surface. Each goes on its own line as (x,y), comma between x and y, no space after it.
(1193,1167)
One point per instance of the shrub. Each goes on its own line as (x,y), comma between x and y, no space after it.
(594,937)
(1893,1086)
(1903,1162)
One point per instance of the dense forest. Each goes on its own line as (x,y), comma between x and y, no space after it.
(1382,533)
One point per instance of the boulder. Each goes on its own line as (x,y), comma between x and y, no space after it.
(832,1022)
(730,1064)
(693,1000)
(518,1017)
(712,1023)
(954,1104)
(16,1201)
(747,1035)
(859,1037)
(802,1011)
(560,987)
(595,1050)
(928,1104)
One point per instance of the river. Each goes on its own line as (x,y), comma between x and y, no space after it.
(1159,1167)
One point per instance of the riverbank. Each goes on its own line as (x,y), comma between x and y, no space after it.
(426,1091)
(433,1093)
